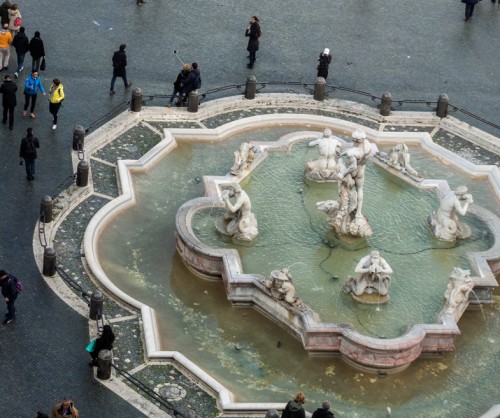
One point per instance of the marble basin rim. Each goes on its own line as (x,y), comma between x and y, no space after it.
(417,335)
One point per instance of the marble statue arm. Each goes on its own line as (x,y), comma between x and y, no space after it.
(353,165)
(363,266)
(313,143)
(386,268)
(462,210)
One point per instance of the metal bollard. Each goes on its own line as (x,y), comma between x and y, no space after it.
(385,104)
(442,106)
(82,173)
(136,101)
(104,364)
(251,88)
(46,208)
(49,261)
(96,303)
(320,89)
(193,101)
(78,137)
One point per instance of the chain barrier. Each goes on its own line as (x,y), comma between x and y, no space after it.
(146,389)
(73,284)
(109,115)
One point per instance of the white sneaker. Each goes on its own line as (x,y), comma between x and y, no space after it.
(16,74)
(54,126)
(22,68)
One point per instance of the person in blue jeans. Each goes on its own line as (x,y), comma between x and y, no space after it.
(21,43)
(28,153)
(469,8)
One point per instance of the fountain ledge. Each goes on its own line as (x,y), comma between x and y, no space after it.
(128,119)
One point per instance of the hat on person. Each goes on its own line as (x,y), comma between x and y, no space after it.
(326,51)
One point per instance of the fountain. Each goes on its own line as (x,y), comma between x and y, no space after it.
(247,276)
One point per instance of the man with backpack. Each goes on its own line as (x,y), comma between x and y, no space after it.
(29,144)
(119,63)
(9,293)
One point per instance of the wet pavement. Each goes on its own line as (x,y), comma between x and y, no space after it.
(415,50)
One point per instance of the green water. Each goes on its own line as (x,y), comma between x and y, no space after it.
(137,251)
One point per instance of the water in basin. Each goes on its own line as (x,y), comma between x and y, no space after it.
(240,348)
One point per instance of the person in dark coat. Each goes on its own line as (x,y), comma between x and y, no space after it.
(469,8)
(119,68)
(324,60)
(22,45)
(191,83)
(4,11)
(29,144)
(179,82)
(37,51)
(103,342)
(253,33)
(9,101)
(9,294)
(293,408)
(324,411)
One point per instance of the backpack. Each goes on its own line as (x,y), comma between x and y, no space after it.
(30,145)
(18,284)
(117,60)
(18,21)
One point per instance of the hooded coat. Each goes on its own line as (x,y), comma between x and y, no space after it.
(21,42)
(36,46)
(293,410)
(8,90)
(29,152)
(323,413)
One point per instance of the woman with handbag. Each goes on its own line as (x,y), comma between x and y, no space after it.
(103,342)
(31,87)
(37,50)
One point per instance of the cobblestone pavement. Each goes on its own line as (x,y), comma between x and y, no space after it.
(412,49)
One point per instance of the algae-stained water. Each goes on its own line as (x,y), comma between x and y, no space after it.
(238,346)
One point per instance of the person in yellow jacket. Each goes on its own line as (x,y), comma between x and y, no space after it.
(55,99)
(5,41)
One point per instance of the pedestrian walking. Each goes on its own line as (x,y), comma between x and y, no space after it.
(56,97)
(31,87)
(324,411)
(5,41)
(253,32)
(469,8)
(28,153)
(15,21)
(293,408)
(178,83)
(9,100)
(37,51)
(191,83)
(4,11)
(21,44)
(65,409)
(103,342)
(324,60)
(9,293)
(119,68)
